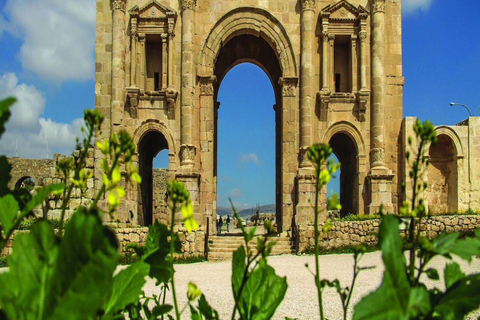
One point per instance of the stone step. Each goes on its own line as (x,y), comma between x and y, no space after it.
(222,247)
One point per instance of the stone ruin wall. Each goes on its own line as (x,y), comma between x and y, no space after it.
(351,233)
(193,244)
(44,172)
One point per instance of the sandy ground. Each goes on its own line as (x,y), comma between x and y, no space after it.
(301,300)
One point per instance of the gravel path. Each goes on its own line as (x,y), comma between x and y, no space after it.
(301,300)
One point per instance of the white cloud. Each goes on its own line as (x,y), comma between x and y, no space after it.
(251,157)
(59,37)
(27,133)
(410,6)
(235,193)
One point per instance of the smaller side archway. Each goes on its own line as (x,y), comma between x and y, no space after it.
(442,194)
(151,205)
(349,148)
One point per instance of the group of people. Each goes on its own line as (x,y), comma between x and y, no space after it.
(220,224)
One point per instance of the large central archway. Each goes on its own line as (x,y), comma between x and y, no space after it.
(253,35)
(255,50)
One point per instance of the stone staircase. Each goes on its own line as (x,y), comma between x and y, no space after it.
(222,247)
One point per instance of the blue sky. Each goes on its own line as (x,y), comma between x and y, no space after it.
(47,62)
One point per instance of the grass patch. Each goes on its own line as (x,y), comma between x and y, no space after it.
(130,257)
(363,217)
(341,250)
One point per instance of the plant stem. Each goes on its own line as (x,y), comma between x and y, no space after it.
(317,260)
(172,251)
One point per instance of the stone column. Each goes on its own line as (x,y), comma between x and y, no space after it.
(306,75)
(118,62)
(325,68)
(331,61)
(207,140)
(143,63)
(133,59)
(380,176)
(354,66)
(188,149)
(164,60)
(363,60)
(305,182)
(188,173)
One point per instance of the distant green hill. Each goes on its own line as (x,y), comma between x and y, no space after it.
(246,213)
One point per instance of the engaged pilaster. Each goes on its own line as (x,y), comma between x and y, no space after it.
(188,82)
(380,176)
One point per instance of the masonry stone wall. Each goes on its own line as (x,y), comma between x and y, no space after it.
(193,244)
(351,233)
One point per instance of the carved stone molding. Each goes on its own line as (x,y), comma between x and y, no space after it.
(308,5)
(189,4)
(187,154)
(118,5)
(323,99)
(206,85)
(171,95)
(132,98)
(362,35)
(362,100)
(378,6)
(289,86)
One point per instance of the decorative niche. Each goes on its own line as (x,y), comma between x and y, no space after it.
(344,54)
(151,56)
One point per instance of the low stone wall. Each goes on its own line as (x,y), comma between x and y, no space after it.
(351,233)
(193,244)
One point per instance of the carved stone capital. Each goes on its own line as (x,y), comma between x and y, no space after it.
(289,86)
(378,157)
(325,36)
(378,6)
(118,5)
(206,85)
(187,154)
(189,4)
(308,5)
(142,37)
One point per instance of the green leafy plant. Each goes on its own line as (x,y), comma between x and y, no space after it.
(402,294)
(320,156)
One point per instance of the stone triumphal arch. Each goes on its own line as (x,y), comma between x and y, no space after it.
(335,67)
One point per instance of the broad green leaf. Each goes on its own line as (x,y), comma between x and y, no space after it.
(25,287)
(444,242)
(466,248)
(127,287)
(156,251)
(5,105)
(452,274)
(5,176)
(263,293)
(238,268)
(8,213)
(206,310)
(419,303)
(392,300)
(432,274)
(84,269)
(161,309)
(460,299)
